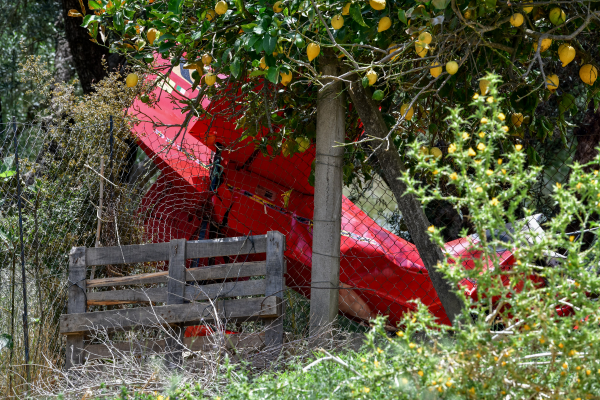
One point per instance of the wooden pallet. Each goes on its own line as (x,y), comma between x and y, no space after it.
(185,303)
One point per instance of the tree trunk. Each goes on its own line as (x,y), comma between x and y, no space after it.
(87,56)
(392,168)
(325,276)
(63,60)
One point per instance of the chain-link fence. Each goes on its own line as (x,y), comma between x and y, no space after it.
(107,185)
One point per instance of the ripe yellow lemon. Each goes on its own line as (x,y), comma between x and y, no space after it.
(337,21)
(286,78)
(424,151)
(390,50)
(210,15)
(210,79)
(221,7)
(517,119)
(425,37)
(384,24)
(557,16)
(452,67)
(566,53)
(131,80)
(546,43)
(312,51)
(516,19)
(278,7)
(152,35)
(436,152)
(484,86)
(528,9)
(346,9)
(377,4)
(409,114)
(263,64)
(436,69)
(552,82)
(206,59)
(588,74)
(420,49)
(372,77)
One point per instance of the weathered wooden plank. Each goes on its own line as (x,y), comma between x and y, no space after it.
(239,309)
(275,285)
(175,293)
(149,347)
(222,271)
(76,304)
(227,246)
(192,293)
(127,254)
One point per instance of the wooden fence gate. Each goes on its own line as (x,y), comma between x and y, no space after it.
(182,299)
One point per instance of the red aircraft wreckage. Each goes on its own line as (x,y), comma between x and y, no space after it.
(212,185)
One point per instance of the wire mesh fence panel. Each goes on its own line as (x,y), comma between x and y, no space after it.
(206,178)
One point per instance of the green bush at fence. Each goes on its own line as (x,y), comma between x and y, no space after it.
(511,340)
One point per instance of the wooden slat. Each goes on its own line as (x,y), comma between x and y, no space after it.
(275,284)
(127,254)
(76,303)
(249,309)
(227,246)
(192,293)
(222,271)
(149,347)
(175,293)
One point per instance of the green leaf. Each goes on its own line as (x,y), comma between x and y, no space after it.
(402,16)
(197,35)
(8,174)
(269,44)
(258,73)
(248,27)
(439,4)
(239,5)
(164,46)
(235,67)
(355,13)
(365,82)
(273,74)
(89,19)
(94,5)
(118,22)
(175,6)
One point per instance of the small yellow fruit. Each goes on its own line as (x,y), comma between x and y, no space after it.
(263,64)
(546,43)
(528,9)
(452,67)
(425,37)
(566,53)
(552,82)
(210,15)
(377,4)
(131,80)
(384,24)
(436,69)
(557,16)
(210,79)
(409,114)
(286,78)
(436,152)
(346,9)
(588,74)
(390,50)
(420,49)
(516,19)
(337,21)
(278,7)
(206,59)
(312,51)
(221,7)
(372,77)
(484,86)
(517,119)
(152,35)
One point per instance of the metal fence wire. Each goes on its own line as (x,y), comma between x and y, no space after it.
(207,181)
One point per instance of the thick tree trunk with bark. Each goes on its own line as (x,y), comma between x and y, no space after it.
(63,60)
(325,276)
(392,168)
(87,56)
